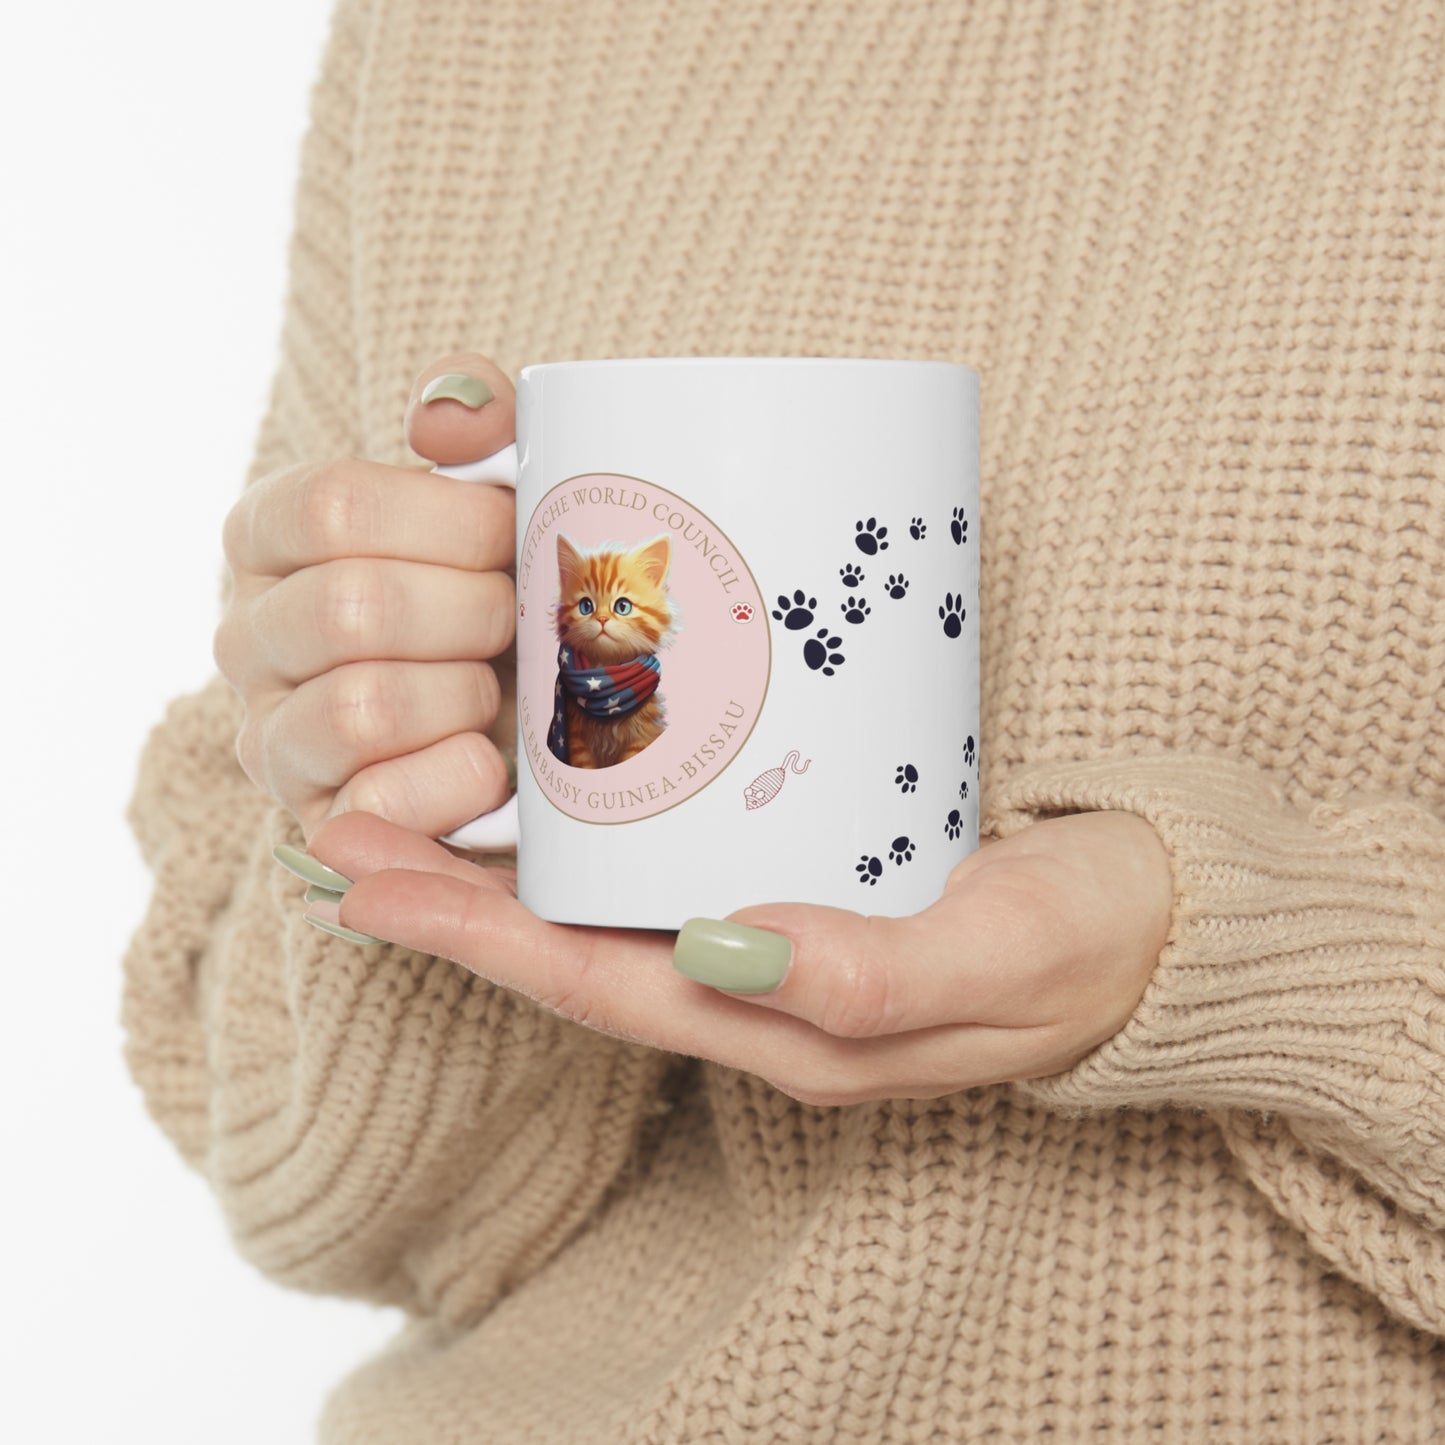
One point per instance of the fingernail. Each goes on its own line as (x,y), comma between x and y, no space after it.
(349,934)
(323,895)
(471,391)
(731,955)
(304,866)
(509,756)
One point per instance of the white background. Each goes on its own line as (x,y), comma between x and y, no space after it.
(147,158)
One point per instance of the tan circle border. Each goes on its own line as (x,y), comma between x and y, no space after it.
(767,679)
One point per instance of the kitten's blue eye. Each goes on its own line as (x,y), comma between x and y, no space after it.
(622,607)
(585,607)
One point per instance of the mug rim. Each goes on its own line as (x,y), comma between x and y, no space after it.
(888,362)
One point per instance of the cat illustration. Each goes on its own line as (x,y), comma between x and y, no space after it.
(613,615)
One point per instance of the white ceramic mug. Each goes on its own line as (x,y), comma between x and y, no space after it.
(800,535)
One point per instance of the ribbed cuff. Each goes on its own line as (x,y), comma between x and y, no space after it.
(193,814)
(1305,968)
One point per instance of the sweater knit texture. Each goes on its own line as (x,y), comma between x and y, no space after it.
(1197,253)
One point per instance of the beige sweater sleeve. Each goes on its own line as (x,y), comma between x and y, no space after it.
(1300,1000)
(375,1123)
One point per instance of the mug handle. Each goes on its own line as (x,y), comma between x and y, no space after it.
(497,831)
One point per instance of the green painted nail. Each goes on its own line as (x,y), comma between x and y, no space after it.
(731,955)
(305,867)
(322,895)
(510,758)
(349,934)
(471,391)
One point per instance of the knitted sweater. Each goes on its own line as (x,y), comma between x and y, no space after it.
(1197,252)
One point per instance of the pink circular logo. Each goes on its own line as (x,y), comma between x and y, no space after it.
(640,668)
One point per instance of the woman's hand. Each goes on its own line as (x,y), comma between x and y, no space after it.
(366,599)
(1038,951)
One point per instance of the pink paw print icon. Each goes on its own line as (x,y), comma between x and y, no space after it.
(742,612)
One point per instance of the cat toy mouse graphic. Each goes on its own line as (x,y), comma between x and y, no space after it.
(766,786)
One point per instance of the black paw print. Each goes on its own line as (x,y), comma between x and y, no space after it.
(900,851)
(855,609)
(907,778)
(959,526)
(798,613)
(817,652)
(852,576)
(918,529)
(897,585)
(968,750)
(870,538)
(952,613)
(963,790)
(954,826)
(869,870)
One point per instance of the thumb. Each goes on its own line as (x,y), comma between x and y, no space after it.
(462,408)
(851,975)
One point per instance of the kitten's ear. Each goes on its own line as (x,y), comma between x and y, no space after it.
(655,557)
(569,561)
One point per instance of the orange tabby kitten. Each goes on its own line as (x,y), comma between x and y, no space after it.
(613,615)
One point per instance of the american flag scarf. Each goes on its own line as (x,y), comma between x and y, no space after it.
(601,692)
